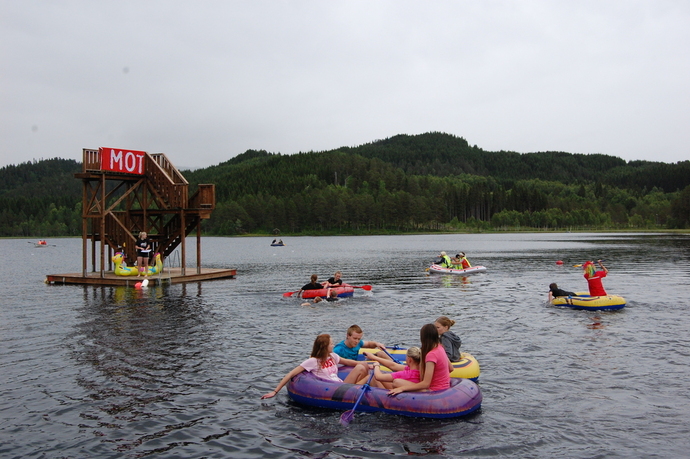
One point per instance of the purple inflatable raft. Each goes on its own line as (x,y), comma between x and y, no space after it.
(462,398)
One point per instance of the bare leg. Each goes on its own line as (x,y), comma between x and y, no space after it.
(360,371)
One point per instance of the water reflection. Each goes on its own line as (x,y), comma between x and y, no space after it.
(450,280)
(139,353)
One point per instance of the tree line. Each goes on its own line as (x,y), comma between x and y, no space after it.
(428,182)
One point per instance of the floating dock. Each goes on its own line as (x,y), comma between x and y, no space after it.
(169,276)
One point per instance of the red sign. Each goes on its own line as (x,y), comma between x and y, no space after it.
(127,161)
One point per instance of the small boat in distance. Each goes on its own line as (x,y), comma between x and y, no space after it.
(41,243)
(278,243)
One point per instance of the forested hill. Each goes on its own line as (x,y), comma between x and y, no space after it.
(38,179)
(442,155)
(425,182)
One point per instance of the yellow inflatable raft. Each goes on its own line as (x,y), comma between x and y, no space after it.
(582,300)
(467,367)
(121,268)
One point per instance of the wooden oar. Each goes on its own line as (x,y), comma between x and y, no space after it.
(348,416)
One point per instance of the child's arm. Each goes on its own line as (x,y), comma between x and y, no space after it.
(380,376)
(297,370)
(386,362)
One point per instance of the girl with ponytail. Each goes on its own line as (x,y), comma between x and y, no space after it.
(434,368)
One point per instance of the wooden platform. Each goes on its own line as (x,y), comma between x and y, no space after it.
(169,276)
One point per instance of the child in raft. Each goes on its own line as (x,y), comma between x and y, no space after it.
(460,261)
(434,368)
(594,277)
(407,372)
(555,292)
(450,341)
(323,364)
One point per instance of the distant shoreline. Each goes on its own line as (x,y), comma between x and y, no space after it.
(385,233)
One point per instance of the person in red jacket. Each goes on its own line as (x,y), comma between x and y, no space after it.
(594,278)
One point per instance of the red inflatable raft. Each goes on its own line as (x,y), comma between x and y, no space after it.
(343,291)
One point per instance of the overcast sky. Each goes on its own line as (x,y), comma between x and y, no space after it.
(203,81)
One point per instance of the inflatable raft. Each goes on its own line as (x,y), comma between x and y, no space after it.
(462,398)
(591,303)
(121,268)
(343,291)
(467,367)
(434,268)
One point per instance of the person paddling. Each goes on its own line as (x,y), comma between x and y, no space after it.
(594,277)
(446,262)
(312,285)
(334,281)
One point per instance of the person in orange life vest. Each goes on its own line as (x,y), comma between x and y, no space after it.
(460,260)
(594,278)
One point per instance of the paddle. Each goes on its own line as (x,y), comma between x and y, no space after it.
(580,265)
(348,416)
(392,358)
(288,294)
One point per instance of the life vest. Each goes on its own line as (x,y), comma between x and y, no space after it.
(465,264)
(445,260)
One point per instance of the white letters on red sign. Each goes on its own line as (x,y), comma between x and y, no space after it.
(131,162)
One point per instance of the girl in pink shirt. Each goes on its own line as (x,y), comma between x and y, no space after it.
(323,363)
(408,372)
(435,366)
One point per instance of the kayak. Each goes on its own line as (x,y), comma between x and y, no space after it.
(434,268)
(343,291)
(467,367)
(462,398)
(583,300)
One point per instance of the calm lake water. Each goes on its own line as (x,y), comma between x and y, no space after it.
(178,371)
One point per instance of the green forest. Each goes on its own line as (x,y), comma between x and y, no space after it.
(430,182)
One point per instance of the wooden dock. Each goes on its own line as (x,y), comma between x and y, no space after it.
(169,276)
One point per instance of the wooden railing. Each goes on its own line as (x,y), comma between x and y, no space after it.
(204,198)
(169,169)
(92,160)
(167,180)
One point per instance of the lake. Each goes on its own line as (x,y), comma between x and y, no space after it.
(178,370)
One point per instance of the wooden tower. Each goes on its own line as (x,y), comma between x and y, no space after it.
(125,192)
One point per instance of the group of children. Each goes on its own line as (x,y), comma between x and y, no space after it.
(425,368)
(331,295)
(458,262)
(594,277)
